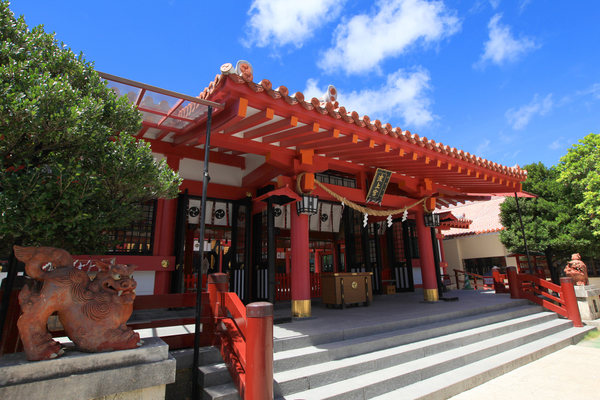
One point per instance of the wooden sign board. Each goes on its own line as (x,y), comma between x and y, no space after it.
(379,185)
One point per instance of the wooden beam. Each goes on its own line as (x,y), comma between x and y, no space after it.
(357,148)
(312,138)
(260,176)
(292,133)
(250,122)
(327,144)
(195,153)
(228,117)
(272,128)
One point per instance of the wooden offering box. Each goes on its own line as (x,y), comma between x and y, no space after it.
(346,288)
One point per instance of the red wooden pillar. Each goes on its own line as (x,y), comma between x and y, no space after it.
(164,237)
(300,266)
(336,257)
(259,351)
(430,289)
(318,261)
(288,261)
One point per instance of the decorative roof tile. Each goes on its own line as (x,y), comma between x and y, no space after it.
(243,74)
(485,216)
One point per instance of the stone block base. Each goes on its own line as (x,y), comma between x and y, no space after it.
(588,301)
(138,374)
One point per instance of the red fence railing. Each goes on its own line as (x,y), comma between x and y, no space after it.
(243,334)
(486,283)
(537,290)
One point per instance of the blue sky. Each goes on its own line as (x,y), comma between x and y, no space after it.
(515,82)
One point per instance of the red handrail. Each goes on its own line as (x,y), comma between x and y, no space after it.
(244,335)
(529,287)
(483,285)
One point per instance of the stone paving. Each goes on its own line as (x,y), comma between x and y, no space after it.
(570,373)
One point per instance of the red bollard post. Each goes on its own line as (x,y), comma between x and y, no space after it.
(498,282)
(566,284)
(513,282)
(215,284)
(259,351)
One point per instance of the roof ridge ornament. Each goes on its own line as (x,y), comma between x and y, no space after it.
(244,69)
(330,95)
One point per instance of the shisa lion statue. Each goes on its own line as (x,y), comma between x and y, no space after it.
(577,270)
(92,312)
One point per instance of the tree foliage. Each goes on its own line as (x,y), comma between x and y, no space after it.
(550,221)
(580,168)
(69,168)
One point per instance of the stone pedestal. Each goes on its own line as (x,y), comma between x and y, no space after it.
(588,301)
(140,374)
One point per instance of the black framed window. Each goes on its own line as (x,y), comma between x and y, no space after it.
(336,178)
(413,240)
(138,238)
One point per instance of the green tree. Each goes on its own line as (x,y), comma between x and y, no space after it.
(550,221)
(69,168)
(580,167)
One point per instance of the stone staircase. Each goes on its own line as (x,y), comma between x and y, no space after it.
(423,358)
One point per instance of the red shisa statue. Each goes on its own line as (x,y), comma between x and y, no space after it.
(92,312)
(577,270)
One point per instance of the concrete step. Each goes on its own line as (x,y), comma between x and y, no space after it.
(332,371)
(302,341)
(453,382)
(311,355)
(218,384)
(217,374)
(370,384)
(222,392)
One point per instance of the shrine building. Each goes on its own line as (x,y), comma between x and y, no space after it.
(270,152)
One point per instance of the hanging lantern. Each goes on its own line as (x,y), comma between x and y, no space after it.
(308,204)
(431,220)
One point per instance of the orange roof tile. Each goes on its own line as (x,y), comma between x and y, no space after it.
(485,216)
(243,74)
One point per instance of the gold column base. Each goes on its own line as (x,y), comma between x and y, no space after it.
(431,294)
(301,308)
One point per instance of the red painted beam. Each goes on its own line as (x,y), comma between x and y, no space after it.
(195,153)
(260,176)
(272,128)
(315,137)
(292,133)
(249,122)
(328,144)
(224,119)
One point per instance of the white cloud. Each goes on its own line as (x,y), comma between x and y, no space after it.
(557,144)
(523,4)
(403,95)
(594,90)
(521,117)
(282,22)
(364,41)
(483,147)
(494,3)
(502,47)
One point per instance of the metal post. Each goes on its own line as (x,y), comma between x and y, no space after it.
(11,276)
(206,179)
(523,230)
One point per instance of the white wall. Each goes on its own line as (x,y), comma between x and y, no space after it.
(459,248)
